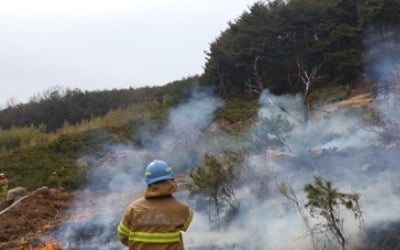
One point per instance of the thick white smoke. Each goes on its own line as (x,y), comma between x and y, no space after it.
(117,176)
(280,147)
(338,146)
(182,142)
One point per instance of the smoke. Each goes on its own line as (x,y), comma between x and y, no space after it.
(339,146)
(181,143)
(115,180)
(117,173)
(280,147)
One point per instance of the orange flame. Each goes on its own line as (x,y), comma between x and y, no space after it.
(44,246)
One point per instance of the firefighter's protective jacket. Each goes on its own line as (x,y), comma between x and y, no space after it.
(156,220)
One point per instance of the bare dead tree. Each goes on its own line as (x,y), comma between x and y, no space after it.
(255,82)
(251,87)
(307,76)
(258,77)
(288,192)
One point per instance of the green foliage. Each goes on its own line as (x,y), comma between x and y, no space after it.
(81,143)
(58,107)
(139,131)
(34,157)
(270,133)
(215,178)
(22,137)
(232,55)
(236,115)
(212,176)
(122,123)
(235,110)
(322,196)
(41,166)
(329,93)
(52,164)
(325,201)
(380,21)
(262,47)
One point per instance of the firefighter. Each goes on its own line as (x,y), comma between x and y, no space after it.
(3,186)
(155,221)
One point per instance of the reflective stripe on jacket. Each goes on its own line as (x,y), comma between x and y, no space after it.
(149,237)
(156,220)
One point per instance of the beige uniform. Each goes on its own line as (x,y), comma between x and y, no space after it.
(156,220)
(3,188)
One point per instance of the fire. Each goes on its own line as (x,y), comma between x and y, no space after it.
(45,246)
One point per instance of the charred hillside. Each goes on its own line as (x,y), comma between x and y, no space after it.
(230,179)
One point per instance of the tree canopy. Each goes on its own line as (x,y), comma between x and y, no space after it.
(57,105)
(264,47)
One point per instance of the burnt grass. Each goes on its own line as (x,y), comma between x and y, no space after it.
(42,209)
(88,233)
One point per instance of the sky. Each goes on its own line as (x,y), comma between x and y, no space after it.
(105,44)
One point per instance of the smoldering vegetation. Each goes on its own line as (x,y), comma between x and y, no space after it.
(117,175)
(242,207)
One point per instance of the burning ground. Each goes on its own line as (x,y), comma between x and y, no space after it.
(33,215)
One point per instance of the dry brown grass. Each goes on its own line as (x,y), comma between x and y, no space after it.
(39,211)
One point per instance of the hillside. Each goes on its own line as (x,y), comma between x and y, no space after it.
(271,146)
(285,45)
(295,117)
(57,106)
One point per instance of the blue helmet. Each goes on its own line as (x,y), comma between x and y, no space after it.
(157,171)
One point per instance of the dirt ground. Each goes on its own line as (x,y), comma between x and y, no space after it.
(29,217)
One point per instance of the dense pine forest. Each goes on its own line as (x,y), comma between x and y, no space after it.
(274,44)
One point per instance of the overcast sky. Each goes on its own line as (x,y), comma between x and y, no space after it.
(105,44)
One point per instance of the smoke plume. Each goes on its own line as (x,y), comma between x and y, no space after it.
(117,175)
(341,146)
